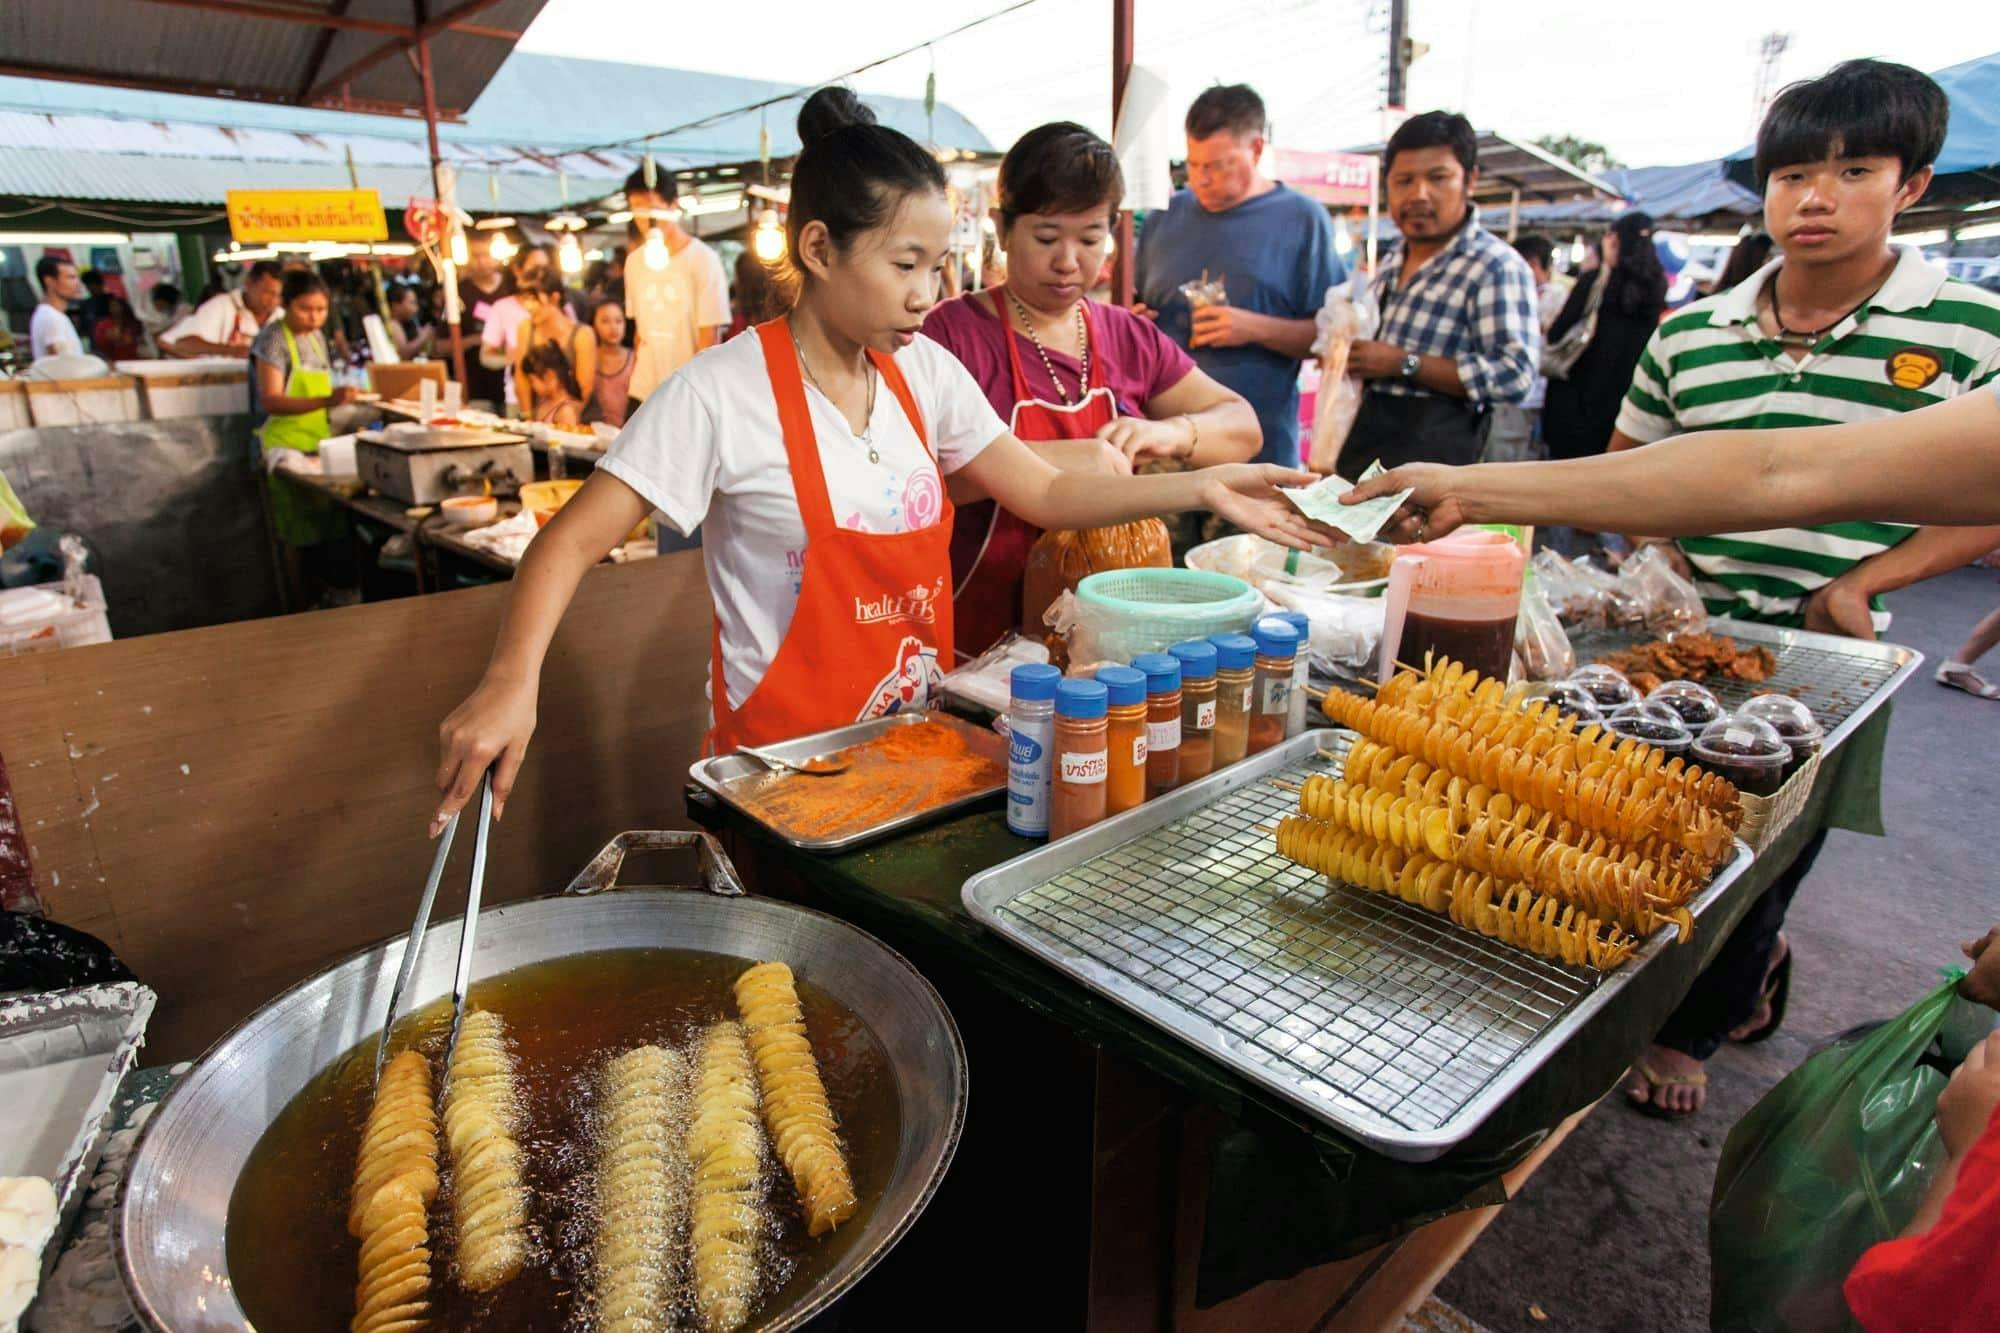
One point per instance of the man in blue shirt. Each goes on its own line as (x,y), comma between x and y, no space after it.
(1272,249)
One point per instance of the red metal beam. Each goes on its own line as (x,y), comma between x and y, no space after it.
(321,45)
(316,18)
(1121,70)
(200,88)
(422,33)
(429,87)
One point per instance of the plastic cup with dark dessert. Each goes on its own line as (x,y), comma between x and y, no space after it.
(1655,724)
(1606,686)
(1746,750)
(1696,705)
(1573,701)
(1793,721)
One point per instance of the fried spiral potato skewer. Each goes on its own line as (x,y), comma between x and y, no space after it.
(795,1106)
(726,1149)
(1511,913)
(395,1178)
(1490,845)
(641,1188)
(481,1113)
(1676,872)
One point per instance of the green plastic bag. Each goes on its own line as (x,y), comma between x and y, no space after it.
(1834,1159)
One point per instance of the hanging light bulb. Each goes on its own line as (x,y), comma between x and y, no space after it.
(503,249)
(459,254)
(656,250)
(768,241)
(569,255)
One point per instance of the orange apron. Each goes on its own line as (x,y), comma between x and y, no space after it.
(989,553)
(864,639)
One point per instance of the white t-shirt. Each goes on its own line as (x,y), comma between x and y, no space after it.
(217,320)
(670,307)
(51,334)
(707,448)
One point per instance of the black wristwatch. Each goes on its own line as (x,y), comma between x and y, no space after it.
(1410,365)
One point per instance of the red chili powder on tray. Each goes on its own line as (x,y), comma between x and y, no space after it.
(904,771)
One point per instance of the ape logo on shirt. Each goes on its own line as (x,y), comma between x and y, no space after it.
(1913,367)
(917,606)
(915,680)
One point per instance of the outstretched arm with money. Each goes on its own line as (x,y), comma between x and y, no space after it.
(1940,465)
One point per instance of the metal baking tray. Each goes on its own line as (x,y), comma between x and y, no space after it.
(412,439)
(1843,681)
(1388,1023)
(62,1056)
(720,775)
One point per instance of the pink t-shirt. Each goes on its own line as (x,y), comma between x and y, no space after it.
(1140,363)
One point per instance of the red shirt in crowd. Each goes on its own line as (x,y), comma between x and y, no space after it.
(1948,1279)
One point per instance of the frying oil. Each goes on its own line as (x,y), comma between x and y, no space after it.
(293,1263)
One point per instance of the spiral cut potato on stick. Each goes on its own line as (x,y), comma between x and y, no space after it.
(1616,791)
(481,1110)
(1511,913)
(641,1190)
(395,1178)
(725,1147)
(795,1107)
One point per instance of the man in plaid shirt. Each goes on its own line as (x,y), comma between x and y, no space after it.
(1460,332)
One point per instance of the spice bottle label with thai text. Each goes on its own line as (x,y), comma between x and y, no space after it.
(1083,770)
(1204,715)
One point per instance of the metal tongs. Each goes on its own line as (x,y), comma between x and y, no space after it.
(467,931)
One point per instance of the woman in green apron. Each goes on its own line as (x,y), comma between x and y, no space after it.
(294,370)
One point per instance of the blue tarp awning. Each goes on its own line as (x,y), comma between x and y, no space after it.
(1969,166)
(1697,192)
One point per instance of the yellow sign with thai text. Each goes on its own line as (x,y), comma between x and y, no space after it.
(307,215)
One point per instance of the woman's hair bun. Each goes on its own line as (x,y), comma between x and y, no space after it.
(830,109)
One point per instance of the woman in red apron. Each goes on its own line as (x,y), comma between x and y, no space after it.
(813,456)
(1089,386)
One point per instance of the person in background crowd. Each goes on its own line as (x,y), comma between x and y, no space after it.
(549,391)
(407,328)
(50,331)
(1088,387)
(481,284)
(612,393)
(1745,258)
(91,309)
(118,336)
(1460,331)
(549,321)
(225,323)
(1270,246)
(755,297)
(1551,288)
(675,311)
(1842,327)
(1957,671)
(293,366)
(1582,405)
(500,339)
(161,310)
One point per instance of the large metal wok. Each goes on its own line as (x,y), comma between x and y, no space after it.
(171,1246)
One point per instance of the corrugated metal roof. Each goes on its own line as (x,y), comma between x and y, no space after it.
(62,141)
(248,56)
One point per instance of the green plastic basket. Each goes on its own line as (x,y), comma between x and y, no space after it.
(1125,612)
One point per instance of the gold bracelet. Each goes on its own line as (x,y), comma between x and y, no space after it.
(1194,429)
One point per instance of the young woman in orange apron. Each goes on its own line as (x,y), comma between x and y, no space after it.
(1108,375)
(735,441)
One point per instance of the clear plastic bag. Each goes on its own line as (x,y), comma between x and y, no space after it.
(1541,648)
(1667,602)
(1348,314)
(1834,1159)
(1579,599)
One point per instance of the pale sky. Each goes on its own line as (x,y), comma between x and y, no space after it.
(1656,83)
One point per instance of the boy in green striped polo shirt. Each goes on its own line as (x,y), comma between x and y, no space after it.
(1840,327)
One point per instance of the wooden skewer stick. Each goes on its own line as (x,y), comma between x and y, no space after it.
(1283,785)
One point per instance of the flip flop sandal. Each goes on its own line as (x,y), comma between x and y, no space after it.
(1655,1080)
(1777,993)
(1958,677)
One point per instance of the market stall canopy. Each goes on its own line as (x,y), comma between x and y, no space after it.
(353,54)
(1540,177)
(1697,194)
(1969,167)
(69,142)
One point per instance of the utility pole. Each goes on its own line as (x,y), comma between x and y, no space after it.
(1122,266)
(1770,50)
(1397,93)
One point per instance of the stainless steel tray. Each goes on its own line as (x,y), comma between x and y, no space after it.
(1843,681)
(1380,1019)
(722,775)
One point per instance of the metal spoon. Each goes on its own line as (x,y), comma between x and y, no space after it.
(819,766)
